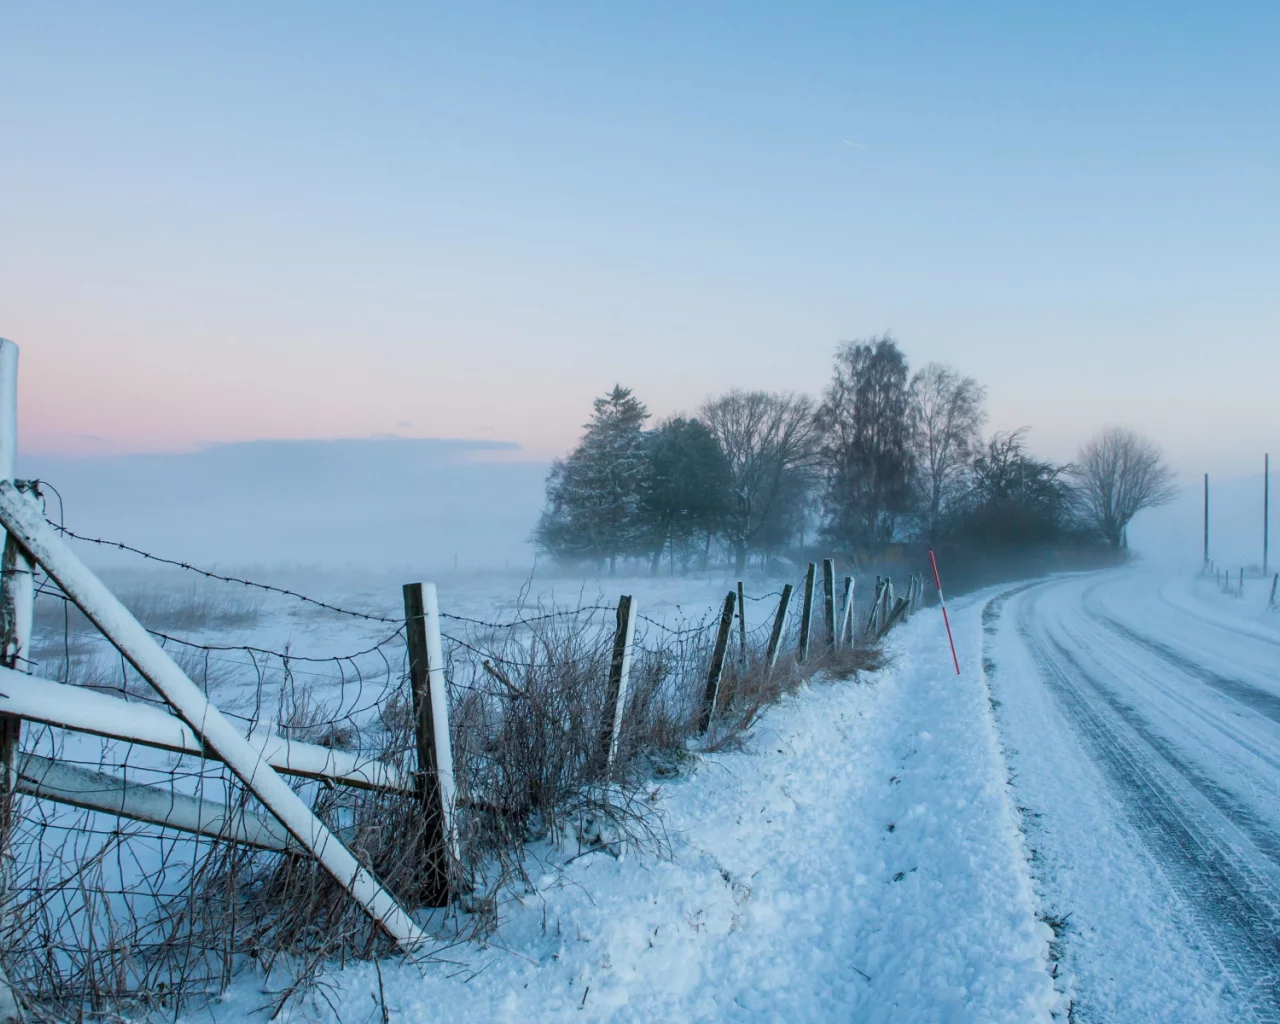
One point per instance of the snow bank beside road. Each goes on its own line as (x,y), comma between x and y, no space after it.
(860,861)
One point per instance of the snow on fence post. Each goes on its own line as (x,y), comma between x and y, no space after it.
(845,632)
(806,615)
(717,663)
(829,600)
(619,671)
(886,604)
(874,614)
(131,639)
(431,729)
(742,625)
(779,621)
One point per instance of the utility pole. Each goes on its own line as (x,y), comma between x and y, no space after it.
(1266,508)
(1206,519)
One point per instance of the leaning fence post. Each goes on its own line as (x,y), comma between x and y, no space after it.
(899,610)
(1274,581)
(742,625)
(619,670)
(779,621)
(806,615)
(829,599)
(717,663)
(875,606)
(886,605)
(435,753)
(846,614)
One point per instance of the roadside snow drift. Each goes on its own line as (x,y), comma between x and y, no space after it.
(860,860)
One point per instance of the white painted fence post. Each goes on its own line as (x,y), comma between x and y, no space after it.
(17,605)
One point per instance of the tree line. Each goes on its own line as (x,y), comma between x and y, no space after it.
(885,456)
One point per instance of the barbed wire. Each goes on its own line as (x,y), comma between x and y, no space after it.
(676,633)
(42,591)
(210,574)
(565,613)
(762,597)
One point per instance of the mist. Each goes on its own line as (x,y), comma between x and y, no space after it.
(369,504)
(1175,532)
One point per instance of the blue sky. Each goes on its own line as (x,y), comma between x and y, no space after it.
(234,221)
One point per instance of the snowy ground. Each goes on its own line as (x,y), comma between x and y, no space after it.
(1084,826)
(859,860)
(1141,718)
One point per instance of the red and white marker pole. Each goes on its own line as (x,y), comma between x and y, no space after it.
(942,601)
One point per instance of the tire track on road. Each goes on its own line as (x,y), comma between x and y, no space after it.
(1239,905)
(1253,697)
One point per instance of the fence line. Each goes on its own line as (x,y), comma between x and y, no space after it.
(215,777)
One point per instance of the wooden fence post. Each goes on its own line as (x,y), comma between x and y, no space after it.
(846,614)
(829,600)
(899,609)
(435,753)
(742,625)
(1275,581)
(717,663)
(806,615)
(779,621)
(875,607)
(619,670)
(886,605)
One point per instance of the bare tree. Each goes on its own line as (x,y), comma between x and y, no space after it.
(946,432)
(1119,473)
(768,438)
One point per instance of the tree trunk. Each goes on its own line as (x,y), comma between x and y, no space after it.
(739,556)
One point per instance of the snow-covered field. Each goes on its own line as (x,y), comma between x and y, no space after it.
(1083,826)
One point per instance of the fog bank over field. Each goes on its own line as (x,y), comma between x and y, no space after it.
(1175,532)
(376,503)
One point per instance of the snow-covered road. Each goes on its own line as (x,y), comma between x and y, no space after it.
(1140,716)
